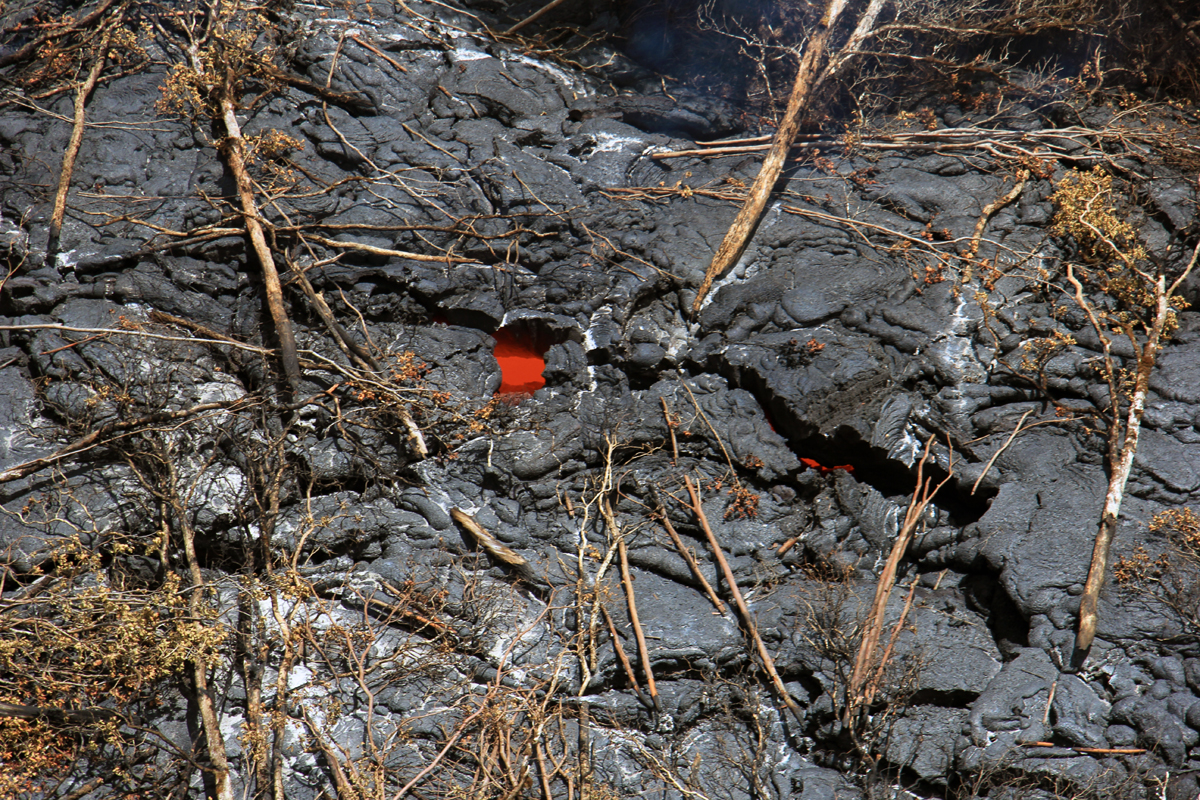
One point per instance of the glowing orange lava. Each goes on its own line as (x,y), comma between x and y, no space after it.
(521,360)
(812,464)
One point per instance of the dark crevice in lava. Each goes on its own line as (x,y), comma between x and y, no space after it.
(844,448)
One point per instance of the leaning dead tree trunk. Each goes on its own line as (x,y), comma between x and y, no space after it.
(811,73)
(1123,440)
(234,150)
(72,151)
(173,508)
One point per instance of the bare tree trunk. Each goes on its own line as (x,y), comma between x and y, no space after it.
(234,149)
(72,151)
(209,719)
(1121,461)
(809,75)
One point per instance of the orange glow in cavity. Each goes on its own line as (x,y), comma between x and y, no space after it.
(808,462)
(521,360)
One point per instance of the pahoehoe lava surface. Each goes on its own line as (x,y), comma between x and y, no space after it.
(484,205)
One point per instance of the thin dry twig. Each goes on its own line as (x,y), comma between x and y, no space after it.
(383,251)
(738,601)
(988,212)
(690,559)
(1003,447)
(553,4)
(364,43)
(624,659)
(631,600)
(1099,751)
(81,23)
(116,429)
(671,423)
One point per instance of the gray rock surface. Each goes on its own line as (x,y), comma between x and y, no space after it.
(799,400)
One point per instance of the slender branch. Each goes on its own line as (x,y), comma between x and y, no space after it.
(553,4)
(866,672)
(631,601)
(1003,447)
(624,659)
(809,74)
(494,548)
(690,559)
(988,212)
(670,429)
(234,150)
(383,251)
(738,601)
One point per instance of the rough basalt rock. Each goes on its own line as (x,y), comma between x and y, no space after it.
(824,347)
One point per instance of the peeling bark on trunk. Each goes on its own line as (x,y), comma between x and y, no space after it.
(1121,464)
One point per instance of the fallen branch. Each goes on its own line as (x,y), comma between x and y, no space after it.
(383,251)
(671,423)
(498,551)
(341,784)
(744,225)
(359,354)
(1003,447)
(690,559)
(988,212)
(81,23)
(1098,751)
(624,659)
(57,715)
(233,148)
(364,43)
(738,601)
(553,4)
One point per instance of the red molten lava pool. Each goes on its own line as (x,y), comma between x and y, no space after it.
(522,358)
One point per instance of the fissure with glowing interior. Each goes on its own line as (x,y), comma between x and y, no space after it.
(521,360)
